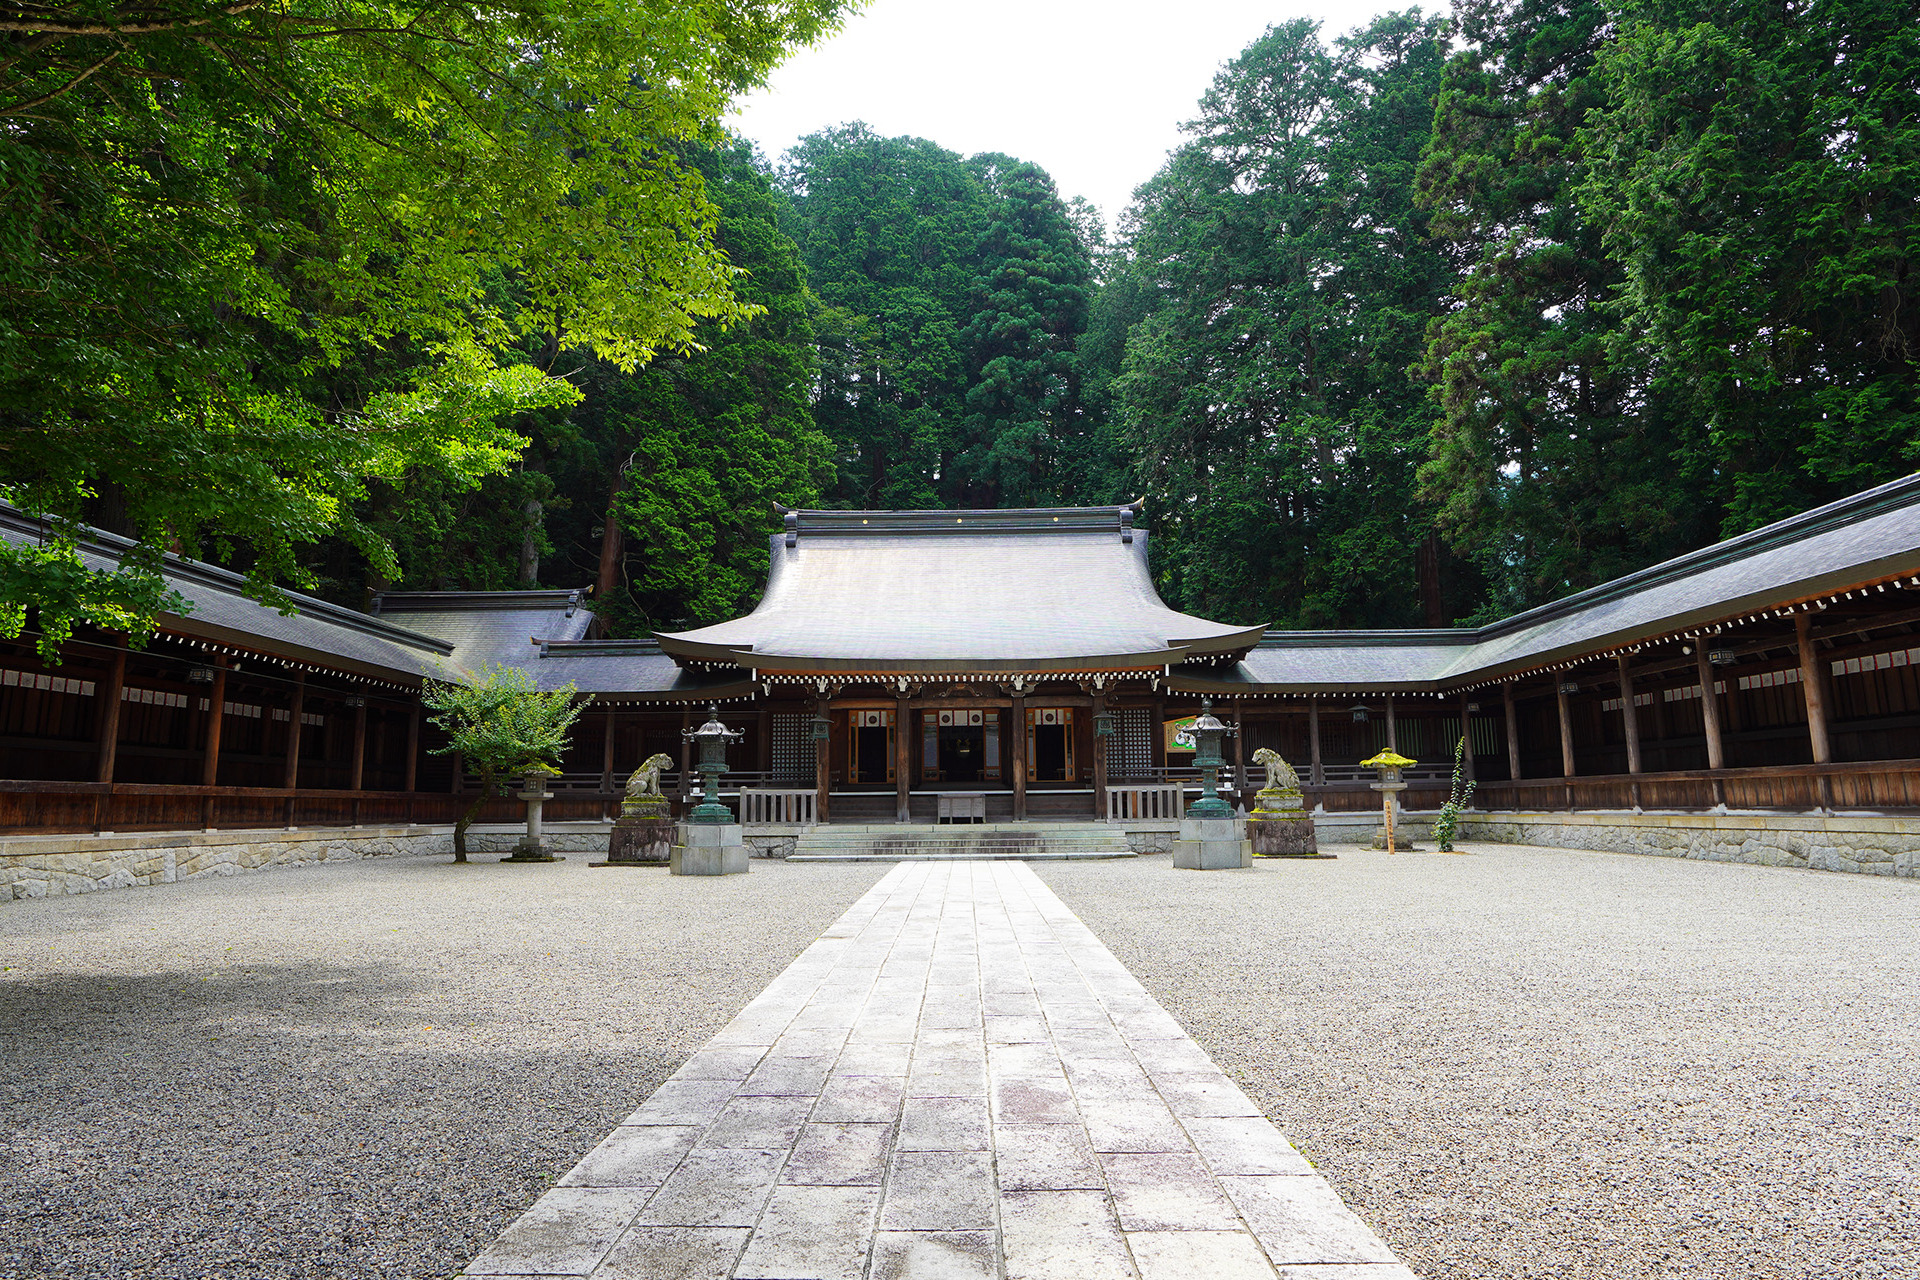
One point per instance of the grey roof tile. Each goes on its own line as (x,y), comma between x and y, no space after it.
(954,590)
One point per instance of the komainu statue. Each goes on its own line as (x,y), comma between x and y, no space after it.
(646,779)
(1280,774)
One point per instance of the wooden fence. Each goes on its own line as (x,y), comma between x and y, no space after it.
(29,807)
(766,806)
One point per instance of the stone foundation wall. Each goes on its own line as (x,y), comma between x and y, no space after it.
(48,866)
(1865,844)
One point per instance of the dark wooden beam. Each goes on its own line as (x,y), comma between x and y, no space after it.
(1019,758)
(1710,719)
(1513,731)
(902,760)
(106,734)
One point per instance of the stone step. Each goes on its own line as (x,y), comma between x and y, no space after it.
(977,855)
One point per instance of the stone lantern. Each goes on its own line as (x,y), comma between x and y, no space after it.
(1208,730)
(1388,765)
(711,842)
(532,847)
(1211,837)
(711,741)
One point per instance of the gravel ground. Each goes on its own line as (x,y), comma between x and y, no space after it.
(360,1070)
(1546,1063)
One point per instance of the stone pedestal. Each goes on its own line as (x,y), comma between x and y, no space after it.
(531,847)
(643,835)
(1390,799)
(1280,827)
(709,849)
(1212,844)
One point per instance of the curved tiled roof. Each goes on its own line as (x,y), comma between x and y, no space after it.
(1040,589)
(1868,537)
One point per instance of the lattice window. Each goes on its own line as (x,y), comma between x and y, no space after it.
(1132,750)
(792,751)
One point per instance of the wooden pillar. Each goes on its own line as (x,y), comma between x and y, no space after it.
(216,724)
(902,762)
(1466,732)
(1393,743)
(608,734)
(357,771)
(210,752)
(1099,760)
(1710,721)
(1239,753)
(106,731)
(291,781)
(686,759)
(1813,687)
(1513,738)
(1630,712)
(1318,772)
(1566,736)
(296,709)
(1565,714)
(763,758)
(822,765)
(1019,758)
(413,749)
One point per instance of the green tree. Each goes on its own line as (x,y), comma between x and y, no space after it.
(1551,460)
(889,229)
(501,727)
(1285,282)
(1028,307)
(1755,172)
(698,447)
(217,218)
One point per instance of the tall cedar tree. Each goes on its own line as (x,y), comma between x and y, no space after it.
(703,445)
(954,294)
(1029,306)
(1552,460)
(1285,283)
(1756,174)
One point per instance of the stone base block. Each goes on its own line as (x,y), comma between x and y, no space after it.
(640,840)
(709,849)
(1284,836)
(1402,839)
(529,849)
(1212,844)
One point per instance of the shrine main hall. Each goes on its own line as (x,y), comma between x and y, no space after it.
(1762,691)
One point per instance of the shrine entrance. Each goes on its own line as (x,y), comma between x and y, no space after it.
(1050,744)
(961,747)
(870,748)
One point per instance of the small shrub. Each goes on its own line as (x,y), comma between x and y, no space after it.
(1447,824)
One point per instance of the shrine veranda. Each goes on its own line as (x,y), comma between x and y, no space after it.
(1015,665)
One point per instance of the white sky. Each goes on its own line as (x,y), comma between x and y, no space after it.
(1093,91)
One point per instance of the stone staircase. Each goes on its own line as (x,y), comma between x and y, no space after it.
(1010,841)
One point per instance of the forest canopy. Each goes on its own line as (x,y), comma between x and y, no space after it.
(257,256)
(1422,324)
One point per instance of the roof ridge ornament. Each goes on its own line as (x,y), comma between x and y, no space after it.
(790,521)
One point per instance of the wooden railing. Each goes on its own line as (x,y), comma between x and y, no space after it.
(33,807)
(1149,802)
(769,806)
(28,806)
(1875,784)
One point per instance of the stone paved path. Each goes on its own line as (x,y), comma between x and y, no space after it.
(957,1081)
